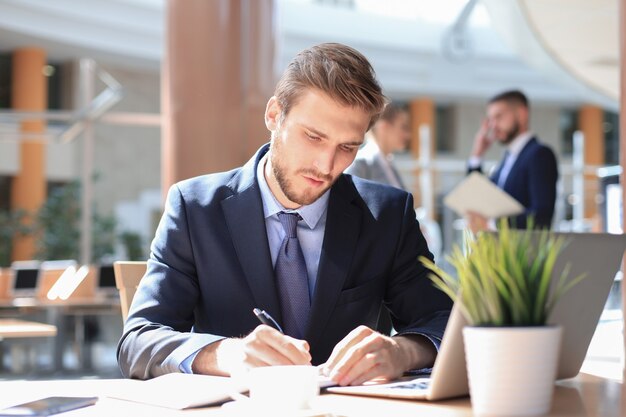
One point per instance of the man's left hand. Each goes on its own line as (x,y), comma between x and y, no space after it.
(364,355)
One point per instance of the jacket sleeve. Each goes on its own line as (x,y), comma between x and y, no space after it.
(416,305)
(158,335)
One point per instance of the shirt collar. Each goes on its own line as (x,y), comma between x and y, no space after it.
(517,144)
(311,213)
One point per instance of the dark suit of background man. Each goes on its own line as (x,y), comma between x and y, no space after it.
(218,247)
(528,171)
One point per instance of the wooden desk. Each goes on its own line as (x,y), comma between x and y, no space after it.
(21,329)
(584,395)
(14,328)
(57,311)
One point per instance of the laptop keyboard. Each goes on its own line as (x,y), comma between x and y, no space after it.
(416,384)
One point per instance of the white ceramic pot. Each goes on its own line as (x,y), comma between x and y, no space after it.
(511,370)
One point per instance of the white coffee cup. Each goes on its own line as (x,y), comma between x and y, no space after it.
(283,387)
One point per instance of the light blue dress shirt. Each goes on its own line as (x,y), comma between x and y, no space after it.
(310,234)
(310,231)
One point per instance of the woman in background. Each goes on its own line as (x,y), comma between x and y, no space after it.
(374,161)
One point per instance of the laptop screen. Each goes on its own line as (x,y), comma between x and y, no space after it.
(26,278)
(106,277)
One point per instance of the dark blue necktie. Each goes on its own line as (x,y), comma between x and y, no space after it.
(503,170)
(292,279)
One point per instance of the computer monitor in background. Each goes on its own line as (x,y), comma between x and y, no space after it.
(25,278)
(106,280)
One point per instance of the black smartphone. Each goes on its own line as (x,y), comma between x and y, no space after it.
(48,406)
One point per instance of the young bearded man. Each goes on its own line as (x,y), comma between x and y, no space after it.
(288,233)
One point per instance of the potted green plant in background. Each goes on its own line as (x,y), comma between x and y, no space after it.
(12,223)
(504,288)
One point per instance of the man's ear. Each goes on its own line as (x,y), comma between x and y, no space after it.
(272,114)
(523,115)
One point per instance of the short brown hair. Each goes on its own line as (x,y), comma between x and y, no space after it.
(514,97)
(392,111)
(337,70)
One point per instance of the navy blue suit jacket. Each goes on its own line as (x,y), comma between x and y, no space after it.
(210,265)
(532,182)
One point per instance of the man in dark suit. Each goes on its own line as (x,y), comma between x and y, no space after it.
(528,171)
(319,250)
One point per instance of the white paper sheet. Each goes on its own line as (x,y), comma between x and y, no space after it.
(478,194)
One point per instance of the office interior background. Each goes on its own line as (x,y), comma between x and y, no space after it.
(112,131)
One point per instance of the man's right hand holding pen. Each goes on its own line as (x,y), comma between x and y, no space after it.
(266,345)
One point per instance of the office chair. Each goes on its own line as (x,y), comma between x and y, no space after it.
(127,277)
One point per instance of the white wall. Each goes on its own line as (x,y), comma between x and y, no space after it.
(544,122)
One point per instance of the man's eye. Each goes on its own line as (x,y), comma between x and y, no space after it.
(313,137)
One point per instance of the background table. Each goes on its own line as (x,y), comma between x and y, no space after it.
(57,312)
(15,328)
(22,329)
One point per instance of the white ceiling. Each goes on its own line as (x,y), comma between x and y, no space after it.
(128,33)
(582,35)
(405,47)
(576,38)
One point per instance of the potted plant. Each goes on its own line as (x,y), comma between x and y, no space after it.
(504,288)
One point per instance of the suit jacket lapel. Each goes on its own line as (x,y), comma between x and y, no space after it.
(243,212)
(340,239)
(512,172)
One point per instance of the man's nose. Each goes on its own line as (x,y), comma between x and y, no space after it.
(325,162)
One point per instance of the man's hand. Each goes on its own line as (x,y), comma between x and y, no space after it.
(483,140)
(364,355)
(263,347)
(476,222)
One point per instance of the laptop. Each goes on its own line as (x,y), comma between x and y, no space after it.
(106,281)
(25,279)
(578,312)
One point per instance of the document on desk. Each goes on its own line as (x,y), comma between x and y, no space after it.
(478,194)
(178,391)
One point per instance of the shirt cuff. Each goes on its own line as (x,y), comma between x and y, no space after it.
(474,162)
(422,371)
(185,366)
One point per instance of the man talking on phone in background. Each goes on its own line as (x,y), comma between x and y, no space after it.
(528,171)
(288,233)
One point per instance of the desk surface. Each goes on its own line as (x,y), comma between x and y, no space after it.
(584,395)
(95,301)
(14,328)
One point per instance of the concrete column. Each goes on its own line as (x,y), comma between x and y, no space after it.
(217,77)
(590,121)
(422,112)
(29,92)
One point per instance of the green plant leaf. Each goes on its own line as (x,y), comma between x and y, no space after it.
(505,279)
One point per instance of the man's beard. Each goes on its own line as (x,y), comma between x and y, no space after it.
(304,198)
(512,134)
